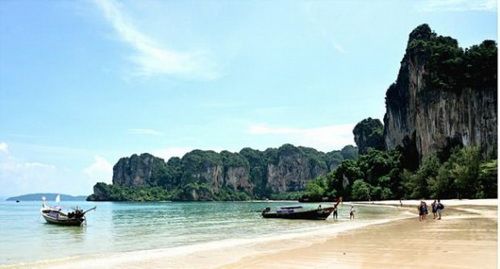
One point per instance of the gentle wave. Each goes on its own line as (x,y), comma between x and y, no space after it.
(166,227)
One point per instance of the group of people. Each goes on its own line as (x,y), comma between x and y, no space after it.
(351,213)
(437,208)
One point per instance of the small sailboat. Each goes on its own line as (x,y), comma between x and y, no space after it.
(55,214)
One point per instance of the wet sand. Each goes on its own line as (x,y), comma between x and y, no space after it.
(461,239)
(466,237)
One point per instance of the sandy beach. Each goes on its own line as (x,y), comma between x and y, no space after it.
(466,237)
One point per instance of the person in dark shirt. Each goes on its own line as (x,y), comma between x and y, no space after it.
(422,211)
(434,209)
(439,208)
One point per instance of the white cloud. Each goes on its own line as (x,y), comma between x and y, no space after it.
(153,59)
(100,170)
(14,166)
(4,148)
(323,138)
(141,131)
(457,5)
(18,176)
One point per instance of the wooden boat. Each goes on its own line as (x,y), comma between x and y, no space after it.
(298,212)
(55,215)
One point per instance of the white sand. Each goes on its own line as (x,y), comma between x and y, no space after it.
(464,238)
(449,202)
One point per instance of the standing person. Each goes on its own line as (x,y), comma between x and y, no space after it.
(351,213)
(440,208)
(422,208)
(434,209)
(335,214)
(419,209)
(426,210)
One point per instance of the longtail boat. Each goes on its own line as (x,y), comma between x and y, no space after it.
(55,215)
(298,212)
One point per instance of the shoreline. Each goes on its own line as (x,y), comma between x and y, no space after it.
(449,202)
(456,241)
(243,253)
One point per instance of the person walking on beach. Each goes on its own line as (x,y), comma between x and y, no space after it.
(439,208)
(422,211)
(426,210)
(335,214)
(434,209)
(351,213)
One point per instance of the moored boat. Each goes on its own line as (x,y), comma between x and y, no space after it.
(298,212)
(55,215)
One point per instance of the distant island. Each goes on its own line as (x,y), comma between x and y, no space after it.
(48,196)
(438,139)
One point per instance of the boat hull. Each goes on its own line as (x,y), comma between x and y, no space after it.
(59,219)
(316,214)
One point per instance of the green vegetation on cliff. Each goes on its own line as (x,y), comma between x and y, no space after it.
(449,66)
(375,176)
(369,134)
(105,192)
(379,175)
(208,175)
(463,175)
(444,97)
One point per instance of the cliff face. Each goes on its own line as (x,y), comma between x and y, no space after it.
(292,170)
(207,175)
(136,170)
(443,96)
(238,178)
(100,193)
(368,134)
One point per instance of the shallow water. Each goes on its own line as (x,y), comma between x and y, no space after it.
(116,227)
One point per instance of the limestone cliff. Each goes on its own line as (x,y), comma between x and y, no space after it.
(369,134)
(236,172)
(208,175)
(443,96)
(136,170)
(293,169)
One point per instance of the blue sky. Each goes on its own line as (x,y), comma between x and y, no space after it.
(83,83)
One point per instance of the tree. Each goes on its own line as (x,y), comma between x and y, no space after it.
(420,184)
(361,190)
(488,179)
(349,152)
(342,178)
(316,189)
(464,168)
(442,186)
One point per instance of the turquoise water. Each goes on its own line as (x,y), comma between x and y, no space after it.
(116,227)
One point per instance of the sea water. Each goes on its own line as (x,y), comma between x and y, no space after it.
(119,227)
